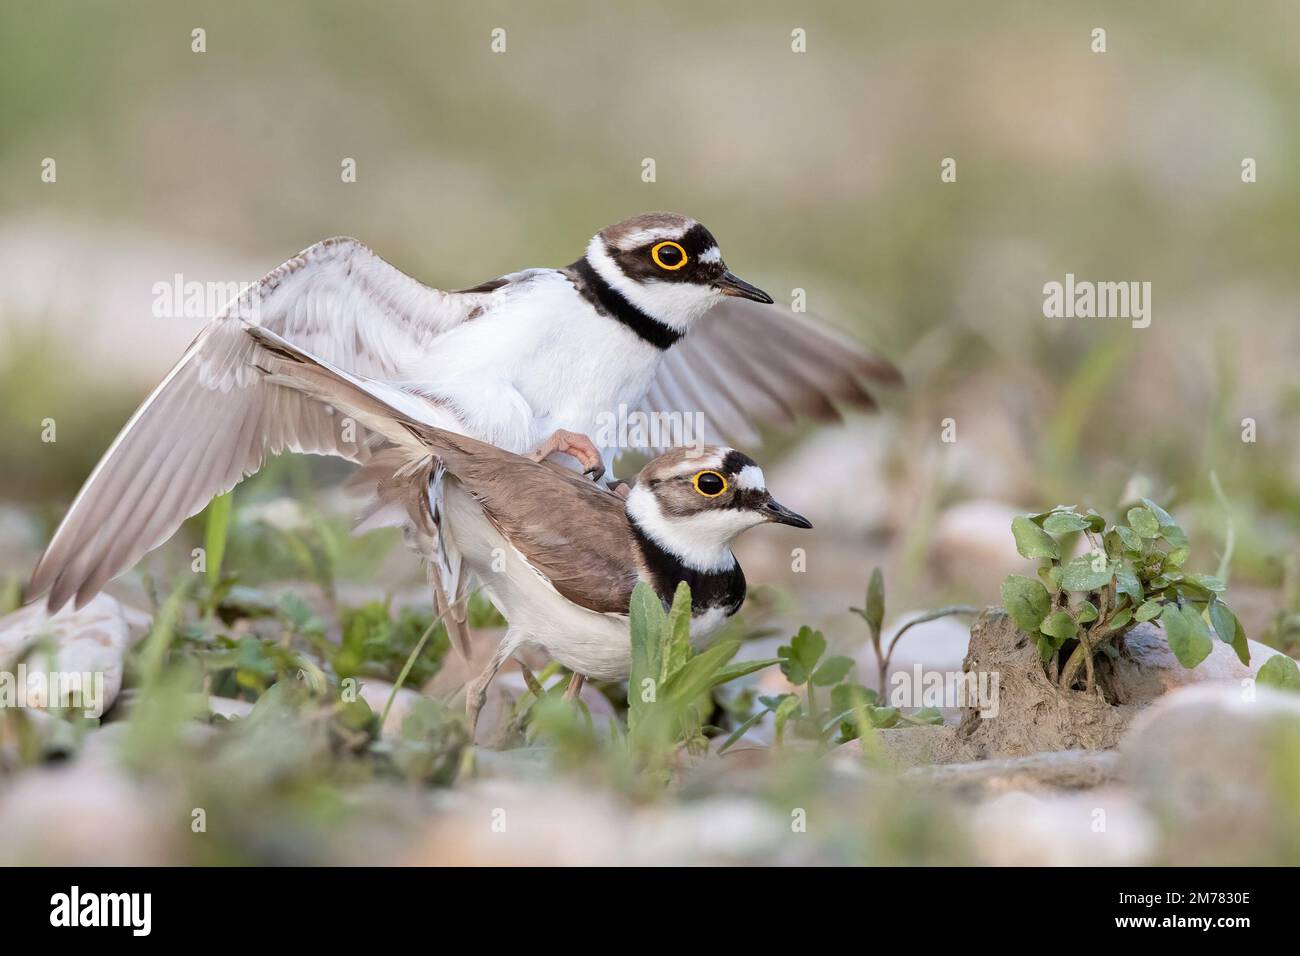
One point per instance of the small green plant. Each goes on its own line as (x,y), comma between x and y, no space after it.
(669,685)
(873,612)
(849,706)
(1080,606)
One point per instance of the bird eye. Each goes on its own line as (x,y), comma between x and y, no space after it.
(668,255)
(709,483)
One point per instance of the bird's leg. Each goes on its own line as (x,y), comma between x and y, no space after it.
(575,686)
(575,444)
(476,692)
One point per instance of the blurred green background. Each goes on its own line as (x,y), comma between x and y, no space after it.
(817,170)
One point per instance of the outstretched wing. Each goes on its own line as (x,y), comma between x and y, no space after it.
(214,419)
(745,363)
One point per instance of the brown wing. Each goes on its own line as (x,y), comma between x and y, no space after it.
(745,364)
(574,532)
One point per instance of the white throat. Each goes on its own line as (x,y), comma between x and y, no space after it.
(675,304)
(700,541)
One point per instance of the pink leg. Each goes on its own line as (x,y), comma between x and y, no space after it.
(575,444)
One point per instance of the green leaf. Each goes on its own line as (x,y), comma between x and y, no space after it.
(1051,577)
(1162,516)
(1032,541)
(215,535)
(1127,583)
(698,674)
(1096,523)
(1081,575)
(1131,539)
(646,620)
(1059,625)
(1087,612)
(1187,634)
(788,707)
(1209,582)
(1046,648)
(1174,535)
(1279,671)
(1144,522)
(1027,601)
(846,697)
(677,634)
(1177,557)
(799,658)
(1064,522)
(1148,611)
(1224,621)
(646,627)
(1120,619)
(832,671)
(875,607)
(742,669)
(1241,646)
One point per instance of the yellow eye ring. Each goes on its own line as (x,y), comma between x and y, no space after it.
(654,254)
(710,474)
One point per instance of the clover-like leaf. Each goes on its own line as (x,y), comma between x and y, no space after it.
(1059,625)
(1131,539)
(1187,634)
(1026,601)
(831,671)
(1087,572)
(1119,619)
(799,658)
(1064,522)
(1148,611)
(1144,522)
(1279,671)
(1032,541)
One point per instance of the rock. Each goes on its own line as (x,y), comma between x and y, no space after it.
(376,693)
(229,708)
(973,549)
(511,823)
(907,747)
(1147,668)
(1104,827)
(1216,765)
(93,640)
(84,814)
(854,498)
(1060,770)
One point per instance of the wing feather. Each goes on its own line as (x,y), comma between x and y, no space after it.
(214,418)
(746,364)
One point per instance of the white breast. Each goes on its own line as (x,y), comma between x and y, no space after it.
(539,358)
(593,644)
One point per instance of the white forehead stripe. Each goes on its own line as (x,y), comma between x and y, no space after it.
(711,254)
(751,476)
(639,238)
